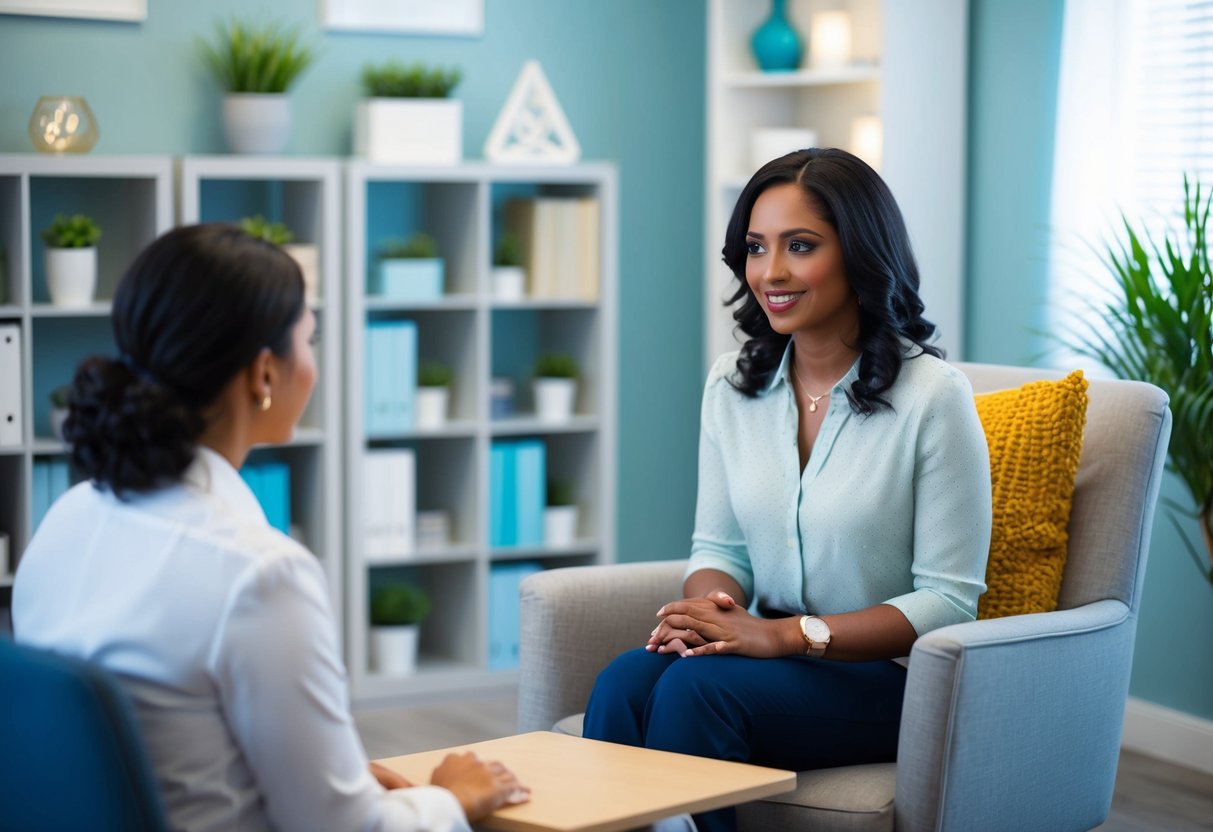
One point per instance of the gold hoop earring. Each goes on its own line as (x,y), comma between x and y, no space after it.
(265,404)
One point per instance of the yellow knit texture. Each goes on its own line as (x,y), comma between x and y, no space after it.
(1035,438)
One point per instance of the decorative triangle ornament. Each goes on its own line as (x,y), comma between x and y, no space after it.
(531,127)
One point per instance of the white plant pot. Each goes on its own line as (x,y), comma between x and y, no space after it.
(307,255)
(509,283)
(394,649)
(409,131)
(58,417)
(71,275)
(554,399)
(257,123)
(432,404)
(559,525)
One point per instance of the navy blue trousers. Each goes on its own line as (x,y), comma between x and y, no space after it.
(795,713)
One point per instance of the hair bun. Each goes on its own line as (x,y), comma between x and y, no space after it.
(127,433)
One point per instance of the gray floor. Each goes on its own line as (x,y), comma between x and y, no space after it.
(1151,796)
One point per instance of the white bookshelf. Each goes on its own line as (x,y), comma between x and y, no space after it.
(909,68)
(470,331)
(305,194)
(130,197)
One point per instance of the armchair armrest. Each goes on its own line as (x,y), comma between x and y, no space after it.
(1014,723)
(574,621)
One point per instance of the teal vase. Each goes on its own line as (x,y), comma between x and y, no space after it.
(775,43)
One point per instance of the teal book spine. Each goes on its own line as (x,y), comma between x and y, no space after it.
(276,495)
(499,592)
(502,510)
(531,492)
(405,376)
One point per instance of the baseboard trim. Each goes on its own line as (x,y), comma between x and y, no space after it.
(1168,734)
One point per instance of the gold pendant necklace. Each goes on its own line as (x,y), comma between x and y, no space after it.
(804,388)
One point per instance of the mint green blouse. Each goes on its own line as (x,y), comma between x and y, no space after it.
(891,508)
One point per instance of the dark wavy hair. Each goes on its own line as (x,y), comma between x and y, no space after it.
(877,259)
(195,308)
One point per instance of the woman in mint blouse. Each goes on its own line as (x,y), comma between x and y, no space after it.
(844,495)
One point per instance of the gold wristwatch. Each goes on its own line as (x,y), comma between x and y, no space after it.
(816,634)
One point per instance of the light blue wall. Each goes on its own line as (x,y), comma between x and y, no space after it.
(1014,58)
(630,77)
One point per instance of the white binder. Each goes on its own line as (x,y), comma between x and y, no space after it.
(10,384)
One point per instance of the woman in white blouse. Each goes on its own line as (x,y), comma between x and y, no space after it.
(844,495)
(163,569)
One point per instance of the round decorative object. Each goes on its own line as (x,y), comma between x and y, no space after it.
(63,124)
(775,43)
(257,123)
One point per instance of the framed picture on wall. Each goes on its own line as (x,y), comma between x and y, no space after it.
(133,10)
(413,17)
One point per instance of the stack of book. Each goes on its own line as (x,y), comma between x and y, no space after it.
(560,245)
(517,493)
(389,503)
(270,483)
(504,580)
(391,376)
(51,480)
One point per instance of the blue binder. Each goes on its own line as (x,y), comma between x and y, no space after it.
(530,491)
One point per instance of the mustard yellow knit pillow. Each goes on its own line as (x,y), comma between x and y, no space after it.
(1035,438)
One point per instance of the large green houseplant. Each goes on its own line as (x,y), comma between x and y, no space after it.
(1157,326)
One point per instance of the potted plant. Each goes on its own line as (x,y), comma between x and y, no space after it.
(509,278)
(59,409)
(397,610)
(411,269)
(560,514)
(1156,325)
(433,394)
(255,65)
(307,255)
(71,259)
(555,387)
(407,116)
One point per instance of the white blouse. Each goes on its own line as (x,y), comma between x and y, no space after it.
(219,626)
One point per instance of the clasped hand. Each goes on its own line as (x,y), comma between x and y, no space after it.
(712,624)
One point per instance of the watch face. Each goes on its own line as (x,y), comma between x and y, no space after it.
(816,630)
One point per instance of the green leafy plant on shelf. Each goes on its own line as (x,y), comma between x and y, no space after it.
(556,365)
(272,232)
(75,231)
(561,493)
(397,80)
(1156,325)
(508,251)
(60,396)
(416,246)
(398,605)
(258,58)
(434,374)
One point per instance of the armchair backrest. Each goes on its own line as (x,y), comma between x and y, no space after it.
(1124,443)
(73,757)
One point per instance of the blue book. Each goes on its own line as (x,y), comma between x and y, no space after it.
(500,577)
(378,369)
(40,499)
(404,375)
(502,528)
(276,495)
(530,491)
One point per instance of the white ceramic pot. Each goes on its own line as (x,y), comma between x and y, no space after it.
(409,131)
(394,649)
(559,525)
(257,123)
(307,255)
(509,283)
(554,399)
(71,275)
(58,417)
(432,404)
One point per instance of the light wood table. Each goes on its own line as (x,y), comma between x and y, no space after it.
(580,785)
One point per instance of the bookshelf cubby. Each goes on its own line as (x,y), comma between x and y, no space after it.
(480,338)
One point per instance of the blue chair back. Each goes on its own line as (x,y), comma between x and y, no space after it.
(70,753)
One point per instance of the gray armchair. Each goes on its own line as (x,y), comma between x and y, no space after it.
(1008,724)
